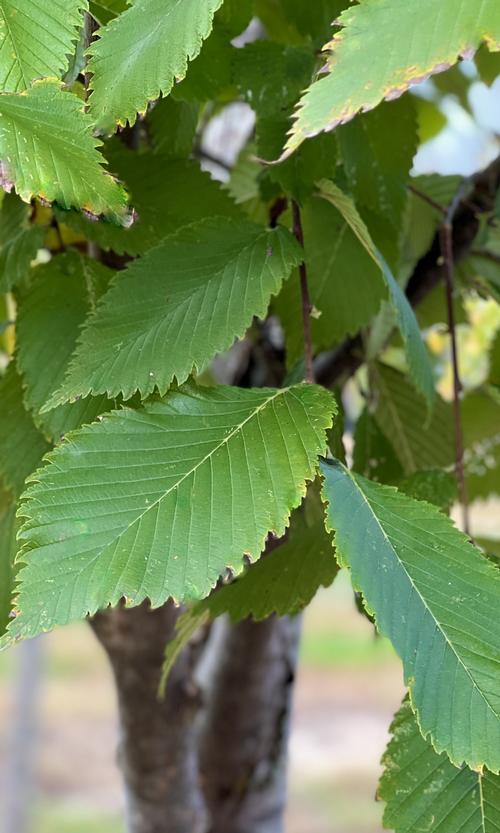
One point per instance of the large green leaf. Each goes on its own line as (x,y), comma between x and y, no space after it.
(346,286)
(48,151)
(386,46)
(19,241)
(425,792)
(175,308)
(48,323)
(161,191)
(416,352)
(21,444)
(36,39)
(434,595)
(141,53)
(7,550)
(160,502)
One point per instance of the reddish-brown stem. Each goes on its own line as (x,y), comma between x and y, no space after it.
(446,239)
(305,298)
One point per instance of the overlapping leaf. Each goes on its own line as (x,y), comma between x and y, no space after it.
(21,444)
(424,791)
(385,46)
(178,306)
(48,323)
(416,352)
(48,151)
(19,242)
(141,54)
(432,593)
(159,502)
(7,550)
(161,191)
(36,38)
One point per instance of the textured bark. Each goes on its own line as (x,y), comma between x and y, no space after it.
(158,747)
(244,742)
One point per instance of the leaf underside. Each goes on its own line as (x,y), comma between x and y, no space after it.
(432,593)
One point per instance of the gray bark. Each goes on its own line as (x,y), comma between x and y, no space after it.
(244,743)
(158,747)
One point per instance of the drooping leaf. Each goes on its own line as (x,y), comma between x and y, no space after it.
(373,57)
(141,53)
(161,191)
(48,323)
(416,352)
(7,550)
(182,490)
(36,40)
(424,791)
(401,415)
(21,444)
(432,593)
(48,150)
(19,241)
(377,150)
(346,286)
(174,309)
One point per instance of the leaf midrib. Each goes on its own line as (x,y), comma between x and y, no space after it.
(438,625)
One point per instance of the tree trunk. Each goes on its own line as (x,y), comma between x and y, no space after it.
(244,742)
(158,748)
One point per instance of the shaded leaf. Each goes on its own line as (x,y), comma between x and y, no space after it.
(21,444)
(19,241)
(48,323)
(7,550)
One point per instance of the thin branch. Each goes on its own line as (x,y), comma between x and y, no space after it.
(425,198)
(305,297)
(487,254)
(446,240)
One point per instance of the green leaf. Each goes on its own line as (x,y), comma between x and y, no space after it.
(283,582)
(401,414)
(7,550)
(374,457)
(377,150)
(178,306)
(161,191)
(19,242)
(434,486)
(432,593)
(183,489)
(424,791)
(48,322)
(481,429)
(345,285)
(286,579)
(494,374)
(21,444)
(173,126)
(36,39)
(416,352)
(48,150)
(372,57)
(488,65)
(141,53)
